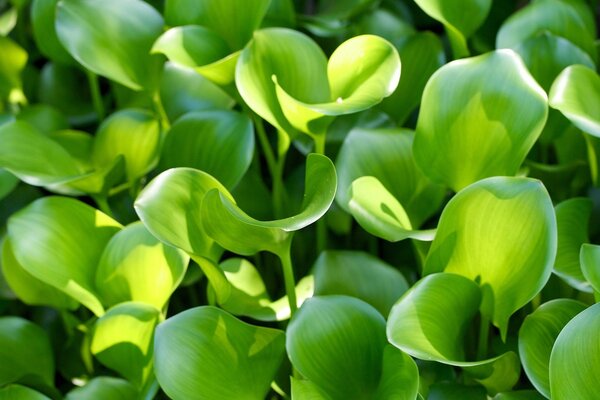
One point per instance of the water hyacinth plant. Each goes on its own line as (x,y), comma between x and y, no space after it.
(299,199)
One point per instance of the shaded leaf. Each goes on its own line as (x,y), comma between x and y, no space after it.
(18,392)
(43,15)
(590,264)
(7,183)
(104,388)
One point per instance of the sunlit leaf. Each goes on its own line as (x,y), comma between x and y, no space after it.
(471,127)
(13,60)
(59,241)
(104,388)
(205,353)
(501,233)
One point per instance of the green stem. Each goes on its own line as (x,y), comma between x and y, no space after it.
(289,280)
(278,187)
(321,224)
(160,110)
(95,92)
(264,143)
(484,332)
(458,43)
(319,144)
(102,202)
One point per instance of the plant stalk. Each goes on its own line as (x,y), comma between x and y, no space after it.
(96,95)
(165,125)
(484,333)
(321,224)
(289,280)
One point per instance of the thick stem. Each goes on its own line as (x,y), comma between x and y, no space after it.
(264,143)
(96,95)
(484,332)
(319,144)
(289,280)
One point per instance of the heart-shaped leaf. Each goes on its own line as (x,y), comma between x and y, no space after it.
(18,392)
(104,388)
(220,143)
(43,15)
(205,353)
(22,342)
(501,233)
(575,93)
(460,18)
(59,241)
(590,265)
(236,231)
(134,134)
(572,217)
(338,343)
(537,336)
(487,128)
(120,53)
(29,289)
(138,267)
(360,275)
(182,191)
(576,349)
(123,340)
(394,168)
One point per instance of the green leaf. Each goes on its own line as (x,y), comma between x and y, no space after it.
(59,241)
(360,275)
(12,63)
(134,134)
(576,349)
(45,118)
(399,377)
(519,395)
(123,340)
(220,143)
(205,353)
(236,231)
(558,17)
(138,267)
(183,90)
(537,336)
(43,15)
(501,233)
(590,262)
(29,289)
(572,217)
(21,342)
(575,93)
(394,168)
(181,191)
(8,182)
(455,391)
(306,390)
(120,53)
(18,392)
(487,128)
(460,18)
(104,388)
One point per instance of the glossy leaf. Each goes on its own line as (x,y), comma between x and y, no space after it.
(29,289)
(236,231)
(123,340)
(134,134)
(21,342)
(220,143)
(590,264)
(43,15)
(104,388)
(120,53)
(572,218)
(181,190)
(360,275)
(537,336)
(18,392)
(205,353)
(471,127)
(135,266)
(576,349)
(394,168)
(575,93)
(501,233)
(59,241)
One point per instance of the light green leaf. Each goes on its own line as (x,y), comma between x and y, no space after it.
(104,388)
(575,93)
(8,182)
(18,392)
(205,353)
(471,127)
(8,20)
(460,18)
(181,191)
(220,143)
(501,233)
(360,275)
(306,390)
(576,349)
(59,241)
(120,53)
(134,134)
(123,340)
(537,336)
(29,289)
(183,90)
(43,15)
(12,63)
(21,342)
(138,267)
(394,167)
(399,377)
(590,265)
(572,217)
(236,231)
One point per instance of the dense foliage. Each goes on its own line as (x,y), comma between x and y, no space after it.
(250,199)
